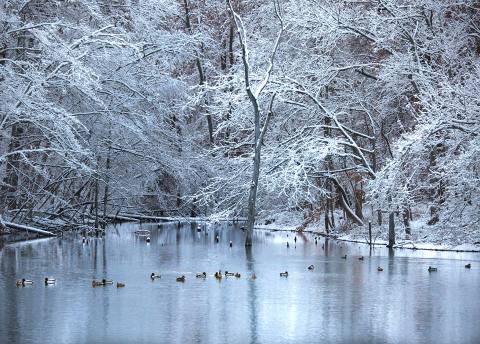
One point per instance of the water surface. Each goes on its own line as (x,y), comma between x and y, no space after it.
(340,301)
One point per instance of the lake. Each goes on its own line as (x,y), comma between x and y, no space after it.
(340,301)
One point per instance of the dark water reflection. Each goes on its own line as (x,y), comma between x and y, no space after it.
(339,302)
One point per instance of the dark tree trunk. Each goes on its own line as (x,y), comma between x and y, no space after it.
(391,229)
(406,220)
(379,217)
(10,181)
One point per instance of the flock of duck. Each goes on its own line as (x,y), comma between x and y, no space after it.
(218,274)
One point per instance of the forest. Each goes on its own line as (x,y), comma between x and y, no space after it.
(329,114)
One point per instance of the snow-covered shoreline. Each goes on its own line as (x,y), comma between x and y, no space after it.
(418,240)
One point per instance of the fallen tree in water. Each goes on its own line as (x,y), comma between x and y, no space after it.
(27,229)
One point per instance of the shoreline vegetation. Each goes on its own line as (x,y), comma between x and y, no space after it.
(352,234)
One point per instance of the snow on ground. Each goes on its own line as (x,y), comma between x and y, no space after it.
(423,236)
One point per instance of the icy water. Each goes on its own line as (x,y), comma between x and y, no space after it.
(340,301)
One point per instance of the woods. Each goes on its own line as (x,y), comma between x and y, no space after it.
(340,111)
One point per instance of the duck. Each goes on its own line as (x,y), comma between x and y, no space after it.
(229,274)
(105,281)
(120,285)
(231,243)
(96,283)
(23,282)
(26,282)
(237,275)
(49,281)
(311,267)
(218,275)
(379,268)
(468,266)
(360,258)
(253,276)
(181,279)
(344,257)
(202,275)
(154,276)
(430,269)
(284,274)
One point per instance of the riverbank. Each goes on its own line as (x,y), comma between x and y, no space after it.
(422,237)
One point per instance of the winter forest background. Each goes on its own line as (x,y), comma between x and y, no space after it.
(361,110)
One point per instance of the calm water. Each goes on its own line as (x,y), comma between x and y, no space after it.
(341,301)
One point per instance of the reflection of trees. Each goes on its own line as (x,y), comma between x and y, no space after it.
(252,295)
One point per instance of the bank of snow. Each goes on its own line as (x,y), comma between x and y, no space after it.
(423,236)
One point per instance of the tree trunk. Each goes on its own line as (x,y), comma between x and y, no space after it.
(349,212)
(379,217)
(96,202)
(406,221)
(252,198)
(201,73)
(391,229)
(10,181)
(358,203)
(107,184)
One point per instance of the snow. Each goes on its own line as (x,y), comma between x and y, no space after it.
(423,237)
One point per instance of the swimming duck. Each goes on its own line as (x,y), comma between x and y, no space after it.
(154,276)
(344,257)
(237,275)
(120,285)
(311,267)
(218,275)
(468,266)
(23,282)
(360,258)
(430,269)
(284,274)
(229,274)
(231,244)
(379,268)
(49,281)
(181,278)
(105,281)
(96,283)
(26,282)
(202,275)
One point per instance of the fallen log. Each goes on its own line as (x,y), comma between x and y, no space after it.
(142,217)
(121,218)
(27,229)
